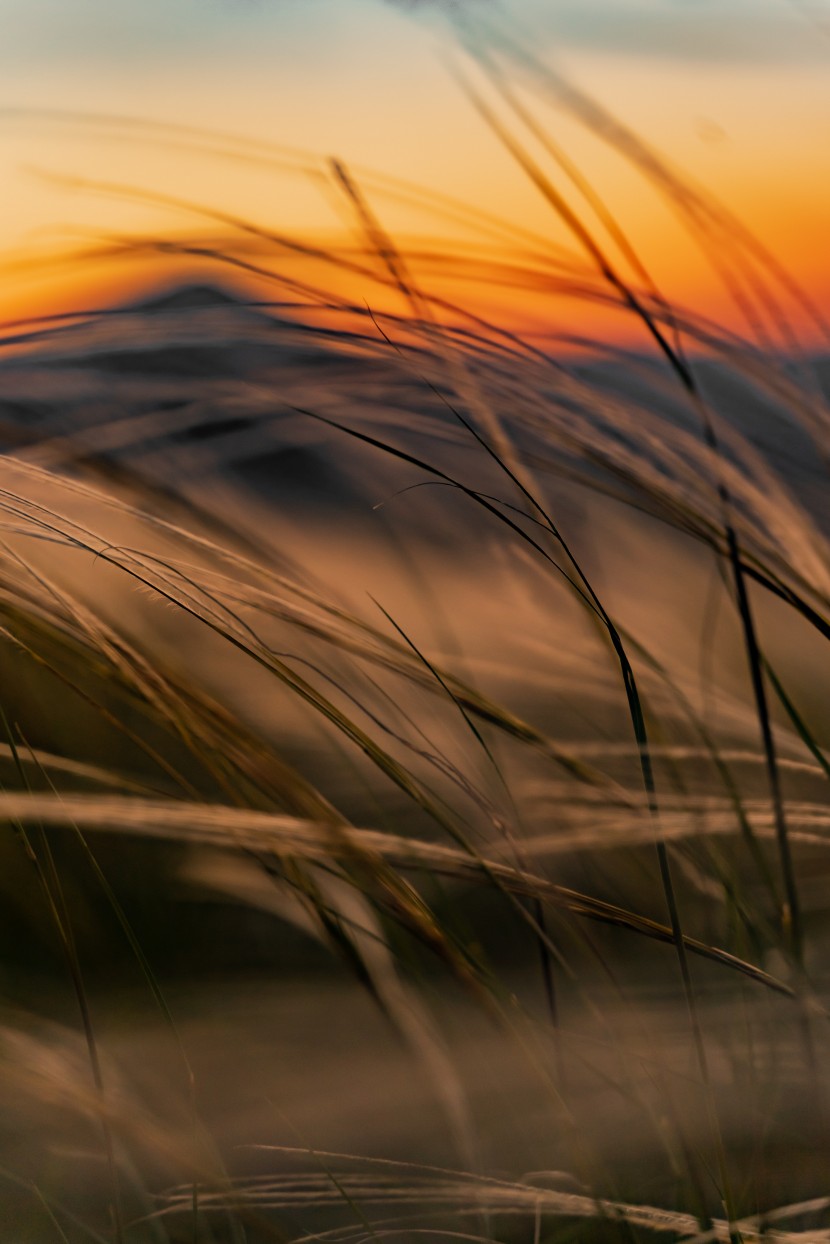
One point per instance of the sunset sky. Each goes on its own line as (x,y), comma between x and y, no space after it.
(735,92)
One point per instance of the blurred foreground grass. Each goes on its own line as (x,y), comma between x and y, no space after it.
(413,746)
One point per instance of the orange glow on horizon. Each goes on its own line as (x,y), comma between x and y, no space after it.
(461,286)
(758,151)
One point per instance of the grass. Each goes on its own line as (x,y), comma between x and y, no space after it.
(435,846)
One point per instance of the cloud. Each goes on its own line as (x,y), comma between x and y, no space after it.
(704,31)
(118,32)
(740,31)
(113,33)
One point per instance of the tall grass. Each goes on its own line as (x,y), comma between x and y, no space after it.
(434,846)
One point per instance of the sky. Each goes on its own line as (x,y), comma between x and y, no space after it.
(736,93)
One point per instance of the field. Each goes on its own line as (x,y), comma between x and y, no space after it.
(413,737)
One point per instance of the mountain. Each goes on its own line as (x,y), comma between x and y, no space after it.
(193,382)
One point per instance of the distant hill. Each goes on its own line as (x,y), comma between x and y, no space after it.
(194,381)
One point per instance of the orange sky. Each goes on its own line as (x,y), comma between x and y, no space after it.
(754,134)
